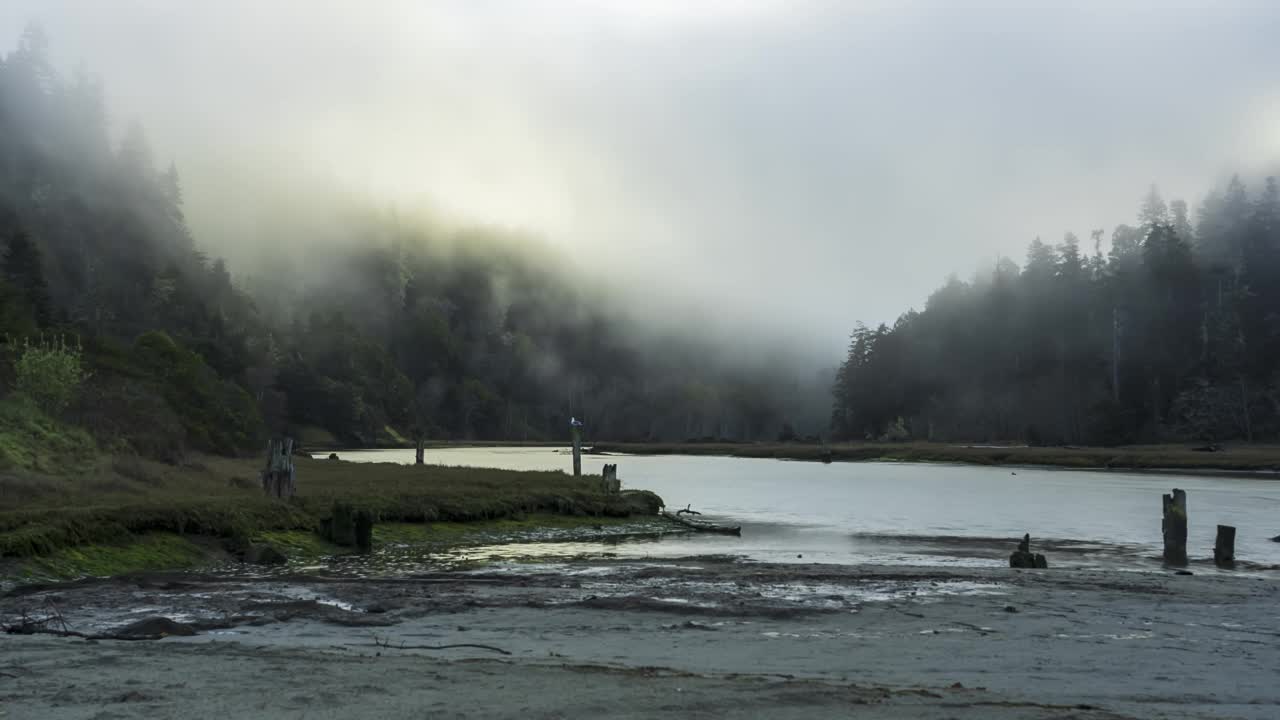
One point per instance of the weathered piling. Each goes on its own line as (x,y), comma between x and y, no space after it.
(609,479)
(278,478)
(1024,558)
(1174,528)
(575,428)
(420,451)
(1224,547)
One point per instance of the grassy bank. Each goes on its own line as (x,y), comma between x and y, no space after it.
(1249,458)
(117,502)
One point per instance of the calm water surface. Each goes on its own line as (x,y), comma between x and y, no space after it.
(914,513)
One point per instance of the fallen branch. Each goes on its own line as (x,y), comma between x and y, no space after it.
(388,645)
(19,630)
(688,509)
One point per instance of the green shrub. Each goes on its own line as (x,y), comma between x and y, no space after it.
(50,373)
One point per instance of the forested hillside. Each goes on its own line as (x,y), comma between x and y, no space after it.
(399,330)
(1172,332)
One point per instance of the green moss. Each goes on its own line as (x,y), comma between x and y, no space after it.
(300,545)
(463,532)
(152,551)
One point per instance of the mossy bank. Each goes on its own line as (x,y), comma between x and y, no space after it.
(127,514)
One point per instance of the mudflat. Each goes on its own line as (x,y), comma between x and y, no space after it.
(704,637)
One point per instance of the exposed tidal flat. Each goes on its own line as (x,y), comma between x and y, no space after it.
(876,590)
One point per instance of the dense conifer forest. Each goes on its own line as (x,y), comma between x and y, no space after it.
(1168,332)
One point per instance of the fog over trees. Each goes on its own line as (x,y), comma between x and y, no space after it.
(393,329)
(1169,331)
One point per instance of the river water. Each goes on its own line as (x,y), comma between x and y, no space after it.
(908,513)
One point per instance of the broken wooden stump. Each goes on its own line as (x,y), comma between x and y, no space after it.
(278,479)
(1174,528)
(609,479)
(1024,558)
(420,451)
(1224,547)
(348,527)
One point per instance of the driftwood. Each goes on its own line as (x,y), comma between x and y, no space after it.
(402,646)
(149,629)
(701,525)
(688,510)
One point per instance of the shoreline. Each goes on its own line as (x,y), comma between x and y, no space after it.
(1261,461)
(158,516)
(1258,460)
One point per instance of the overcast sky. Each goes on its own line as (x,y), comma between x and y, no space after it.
(799,165)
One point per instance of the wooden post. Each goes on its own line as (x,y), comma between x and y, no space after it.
(422,444)
(1224,548)
(575,427)
(1174,528)
(278,478)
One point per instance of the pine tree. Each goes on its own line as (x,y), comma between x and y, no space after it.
(24,269)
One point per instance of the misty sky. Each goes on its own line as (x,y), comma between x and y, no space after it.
(802,165)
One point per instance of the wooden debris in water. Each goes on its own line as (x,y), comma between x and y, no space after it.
(700,525)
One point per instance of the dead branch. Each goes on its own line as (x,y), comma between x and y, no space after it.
(401,646)
(687,509)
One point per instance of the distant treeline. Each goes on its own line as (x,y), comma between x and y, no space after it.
(1172,335)
(394,332)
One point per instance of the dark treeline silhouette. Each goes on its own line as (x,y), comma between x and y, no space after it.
(1172,335)
(397,331)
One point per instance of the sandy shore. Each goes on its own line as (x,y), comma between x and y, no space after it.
(707,637)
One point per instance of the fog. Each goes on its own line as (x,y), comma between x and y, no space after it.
(784,167)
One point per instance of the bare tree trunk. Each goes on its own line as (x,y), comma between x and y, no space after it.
(1244,410)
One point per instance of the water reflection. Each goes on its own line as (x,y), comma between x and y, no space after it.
(898,513)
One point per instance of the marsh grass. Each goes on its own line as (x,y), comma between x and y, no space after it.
(117,499)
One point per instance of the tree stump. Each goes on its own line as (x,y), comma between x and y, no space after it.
(419,452)
(1024,558)
(364,531)
(1174,528)
(343,528)
(278,478)
(1224,547)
